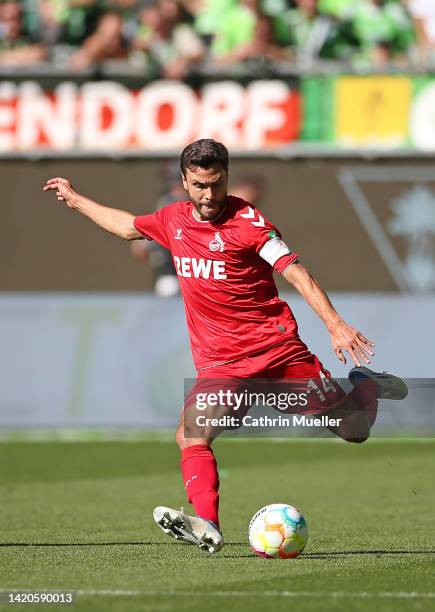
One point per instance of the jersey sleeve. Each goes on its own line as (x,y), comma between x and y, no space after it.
(261,235)
(153,226)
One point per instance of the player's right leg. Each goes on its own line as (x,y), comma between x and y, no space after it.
(190,529)
(201,480)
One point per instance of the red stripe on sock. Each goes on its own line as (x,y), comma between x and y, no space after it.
(365,397)
(201,480)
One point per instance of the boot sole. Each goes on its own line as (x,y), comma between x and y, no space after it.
(396,389)
(174,526)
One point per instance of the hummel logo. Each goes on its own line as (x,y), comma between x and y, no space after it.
(252,214)
(194,477)
(178,235)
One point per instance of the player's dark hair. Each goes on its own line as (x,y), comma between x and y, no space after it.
(204,153)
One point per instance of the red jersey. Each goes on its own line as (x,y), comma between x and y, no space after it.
(225,268)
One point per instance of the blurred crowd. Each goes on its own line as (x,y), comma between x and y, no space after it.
(171,38)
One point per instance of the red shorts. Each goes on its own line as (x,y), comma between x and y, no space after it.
(290,366)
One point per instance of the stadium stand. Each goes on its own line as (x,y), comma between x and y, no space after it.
(170,38)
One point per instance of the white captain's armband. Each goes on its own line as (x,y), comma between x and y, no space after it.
(273,250)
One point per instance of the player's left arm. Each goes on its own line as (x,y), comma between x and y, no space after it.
(344,337)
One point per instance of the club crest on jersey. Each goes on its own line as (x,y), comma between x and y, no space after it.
(217,244)
(178,235)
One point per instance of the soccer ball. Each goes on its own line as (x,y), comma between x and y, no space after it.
(278,531)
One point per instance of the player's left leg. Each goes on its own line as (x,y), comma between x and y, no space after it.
(359,408)
(356,411)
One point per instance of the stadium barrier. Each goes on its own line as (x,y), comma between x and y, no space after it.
(107,361)
(358,224)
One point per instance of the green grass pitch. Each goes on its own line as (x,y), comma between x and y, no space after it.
(77,516)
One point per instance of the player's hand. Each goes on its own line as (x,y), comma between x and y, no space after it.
(346,338)
(64,190)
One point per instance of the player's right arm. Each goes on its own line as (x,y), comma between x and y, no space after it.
(118,222)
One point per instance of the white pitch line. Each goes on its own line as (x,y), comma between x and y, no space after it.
(289,594)
(316,594)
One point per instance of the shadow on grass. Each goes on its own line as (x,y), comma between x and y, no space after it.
(336,554)
(123,543)
(66,544)
(309,555)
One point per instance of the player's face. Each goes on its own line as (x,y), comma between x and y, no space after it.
(207,189)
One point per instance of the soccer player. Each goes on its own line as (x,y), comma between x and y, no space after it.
(225,252)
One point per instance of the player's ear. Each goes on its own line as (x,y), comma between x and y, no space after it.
(183,178)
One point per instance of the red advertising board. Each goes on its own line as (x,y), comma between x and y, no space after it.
(107,116)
